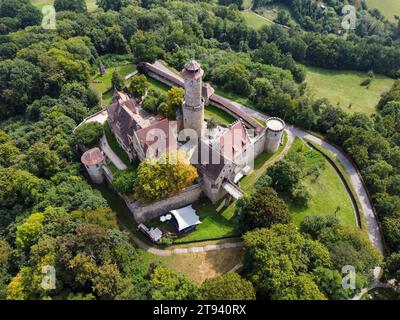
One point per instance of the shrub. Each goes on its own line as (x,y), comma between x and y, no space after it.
(229,286)
(163,177)
(88,134)
(124,181)
(263,209)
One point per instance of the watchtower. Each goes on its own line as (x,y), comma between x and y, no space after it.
(273,134)
(193,106)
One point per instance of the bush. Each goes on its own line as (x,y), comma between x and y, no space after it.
(392,267)
(301,196)
(263,182)
(138,86)
(88,134)
(229,286)
(366,82)
(286,176)
(263,209)
(391,229)
(124,181)
(163,177)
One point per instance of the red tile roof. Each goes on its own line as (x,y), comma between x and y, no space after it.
(150,135)
(92,157)
(234,141)
(175,79)
(230,106)
(192,65)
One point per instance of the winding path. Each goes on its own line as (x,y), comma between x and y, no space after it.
(368,210)
(182,250)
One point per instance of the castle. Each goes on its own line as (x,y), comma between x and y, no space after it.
(222,155)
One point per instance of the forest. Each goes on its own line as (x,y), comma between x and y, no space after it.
(50,214)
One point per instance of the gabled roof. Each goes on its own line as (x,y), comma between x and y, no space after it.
(208,160)
(175,79)
(123,124)
(149,136)
(230,106)
(126,117)
(207,90)
(234,140)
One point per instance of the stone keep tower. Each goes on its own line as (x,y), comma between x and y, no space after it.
(193,106)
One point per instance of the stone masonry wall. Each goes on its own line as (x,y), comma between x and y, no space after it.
(146,212)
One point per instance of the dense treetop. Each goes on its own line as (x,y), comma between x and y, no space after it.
(50,214)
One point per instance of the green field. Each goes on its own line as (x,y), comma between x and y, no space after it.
(103,85)
(105,81)
(157,85)
(328,193)
(253,20)
(247,4)
(261,164)
(220,116)
(213,225)
(389,8)
(91,4)
(344,87)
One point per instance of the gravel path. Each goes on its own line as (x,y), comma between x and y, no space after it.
(168,252)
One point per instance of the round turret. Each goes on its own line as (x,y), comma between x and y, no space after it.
(274,132)
(93,161)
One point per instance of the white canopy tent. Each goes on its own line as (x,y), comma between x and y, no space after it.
(186,218)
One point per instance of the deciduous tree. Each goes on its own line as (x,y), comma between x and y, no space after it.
(229,286)
(263,209)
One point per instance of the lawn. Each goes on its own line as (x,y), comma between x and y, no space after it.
(253,20)
(344,87)
(115,146)
(202,265)
(261,163)
(328,193)
(247,4)
(346,176)
(220,116)
(214,225)
(105,80)
(157,85)
(91,4)
(233,96)
(389,8)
